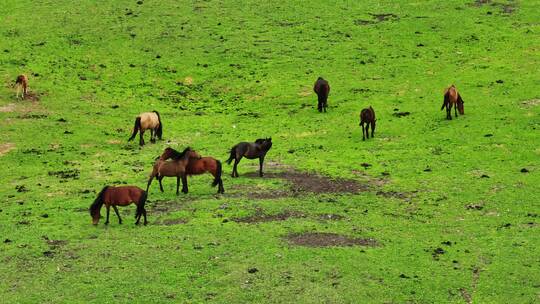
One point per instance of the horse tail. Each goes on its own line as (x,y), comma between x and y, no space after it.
(232,155)
(98,202)
(445,100)
(217,178)
(140,203)
(136,128)
(159,131)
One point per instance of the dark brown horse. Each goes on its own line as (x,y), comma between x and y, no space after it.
(322,89)
(22,83)
(119,196)
(367,117)
(258,149)
(145,121)
(176,167)
(452,98)
(196,166)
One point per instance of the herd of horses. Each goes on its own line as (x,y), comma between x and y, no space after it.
(172,163)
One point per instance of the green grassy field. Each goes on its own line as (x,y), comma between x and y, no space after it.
(444,210)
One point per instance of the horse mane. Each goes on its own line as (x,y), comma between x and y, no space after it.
(260,140)
(98,202)
(179,155)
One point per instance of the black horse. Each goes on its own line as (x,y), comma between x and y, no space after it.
(322,89)
(258,149)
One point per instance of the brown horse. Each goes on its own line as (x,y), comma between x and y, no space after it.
(258,149)
(322,89)
(119,196)
(145,121)
(22,82)
(176,167)
(367,117)
(196,166)
(452,98)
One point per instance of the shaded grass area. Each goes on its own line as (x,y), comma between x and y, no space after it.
(449,204)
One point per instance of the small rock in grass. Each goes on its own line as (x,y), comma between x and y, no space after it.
(253,270)
(524,170)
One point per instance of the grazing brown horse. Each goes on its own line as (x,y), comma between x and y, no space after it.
(322,89)
(176,167)
(196,166)
(22,82)
(452,98)
(119,196)
(367,117)
(145,121)
(258,149)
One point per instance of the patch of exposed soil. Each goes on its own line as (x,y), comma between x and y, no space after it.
(6,147)
(32,116)
(377,18)
(301,183)
(170,222)
(7,108)
(32,96)
(64,174)
(531,103)
(261,217)
(506,8)
(323,239)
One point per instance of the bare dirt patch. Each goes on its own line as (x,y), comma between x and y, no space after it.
(377,18)
(506,8)
(10,107)
(170,222)
(302,183)
(323,239)
(6,147)
(261,217)
(531,103)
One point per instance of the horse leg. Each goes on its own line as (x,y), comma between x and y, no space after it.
(117,214)
(367,130)
(372,129)
(235,167)
(152,136)
(261,161)
(144,214)
(221,189)
(449,111)
(141,138)
(363,131)
(455,109)
(184,184)
(319,105)
(160,184)
(108,210)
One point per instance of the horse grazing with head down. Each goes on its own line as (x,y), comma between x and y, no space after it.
(21,83)
(196,166)
(322,89)
(176,167)
(145,121)
(452,98)
(367,117)
(258,149)
(119,196)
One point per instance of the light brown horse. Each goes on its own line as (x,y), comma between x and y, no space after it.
(22,83)
(367,117)
(145,121)
(176,167)
(196,166)
(452,98)
(119,196)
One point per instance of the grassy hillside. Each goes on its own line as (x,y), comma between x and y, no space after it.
(428,211)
